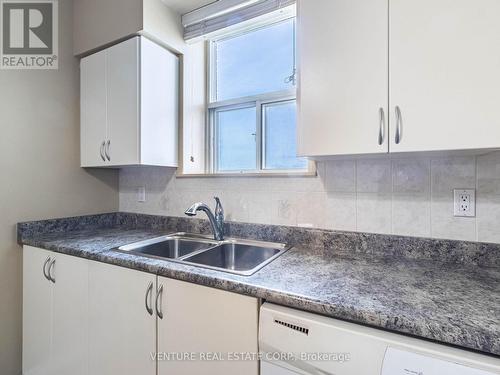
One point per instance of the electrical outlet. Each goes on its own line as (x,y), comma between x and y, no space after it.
(464,202)
(141,194)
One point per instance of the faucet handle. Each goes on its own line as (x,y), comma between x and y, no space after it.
(219,219)
(219,211)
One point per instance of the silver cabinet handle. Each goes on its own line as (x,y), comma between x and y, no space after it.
(381,130)
(106,150)
(159,297)
(101,150)
(49,272)
(399,125)
(149,297)
(45,268)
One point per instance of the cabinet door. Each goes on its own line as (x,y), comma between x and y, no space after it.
(37,313)
(445,76)
(198,319)
(122,73)
(122,334)
(93,109)
(159,105)
(70,316)
(343,75)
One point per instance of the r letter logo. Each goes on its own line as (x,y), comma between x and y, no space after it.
(29,37)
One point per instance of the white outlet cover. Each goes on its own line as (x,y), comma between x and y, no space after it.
(141,194)
(464,202)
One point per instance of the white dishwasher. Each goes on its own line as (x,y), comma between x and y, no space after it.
(297,342)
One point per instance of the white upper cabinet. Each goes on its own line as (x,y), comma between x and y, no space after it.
(129,106)
(342,89)
(434,61)
(445,74)
(122,99)
(93,109)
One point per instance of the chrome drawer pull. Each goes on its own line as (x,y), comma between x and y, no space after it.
(149,297)
(399,126)
(51,266)
(106,150)
(381,130)
(159,297)
(101,151)
(45,268)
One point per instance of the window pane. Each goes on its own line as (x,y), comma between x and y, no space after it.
(255,63)
(280,147)
(236,147)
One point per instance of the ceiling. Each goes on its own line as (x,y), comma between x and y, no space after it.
(184,6)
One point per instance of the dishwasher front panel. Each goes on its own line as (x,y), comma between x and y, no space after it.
(267,368)
(311,344)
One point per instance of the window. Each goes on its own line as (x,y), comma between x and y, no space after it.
(252,109)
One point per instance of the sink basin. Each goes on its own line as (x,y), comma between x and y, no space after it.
(243,258)
(171,247)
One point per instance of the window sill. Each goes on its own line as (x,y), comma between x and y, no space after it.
(250,174)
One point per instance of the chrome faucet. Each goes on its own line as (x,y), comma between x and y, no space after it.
(216,220)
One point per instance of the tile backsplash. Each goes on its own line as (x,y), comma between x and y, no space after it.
(392,195)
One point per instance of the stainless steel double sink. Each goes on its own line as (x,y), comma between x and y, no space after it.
(238,256)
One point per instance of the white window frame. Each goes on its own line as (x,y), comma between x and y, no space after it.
(257,101)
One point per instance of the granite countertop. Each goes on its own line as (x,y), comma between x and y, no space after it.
(456,303)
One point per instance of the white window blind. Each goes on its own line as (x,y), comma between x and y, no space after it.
(225,13)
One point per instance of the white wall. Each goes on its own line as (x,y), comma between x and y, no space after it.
(39,165)
(99,22)
(162,24)
(407,196)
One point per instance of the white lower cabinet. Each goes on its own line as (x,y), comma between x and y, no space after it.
(84,317)
(70,322)
(54,313)
(122,333)
(37,313)
(204,323)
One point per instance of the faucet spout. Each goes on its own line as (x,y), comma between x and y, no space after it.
(216,221)
(192,211)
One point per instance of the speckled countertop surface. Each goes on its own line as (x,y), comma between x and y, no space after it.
(454,303)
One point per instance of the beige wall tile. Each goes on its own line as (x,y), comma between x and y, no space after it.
(488,173)
(411,215)
(236,206)
(405,196)
(340,211)
(260,208)
(284,208)
(373,212)
(452,173)
(488,218)
(411,175)
(311,209)
(340,176)
(445,225)
(373,176)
